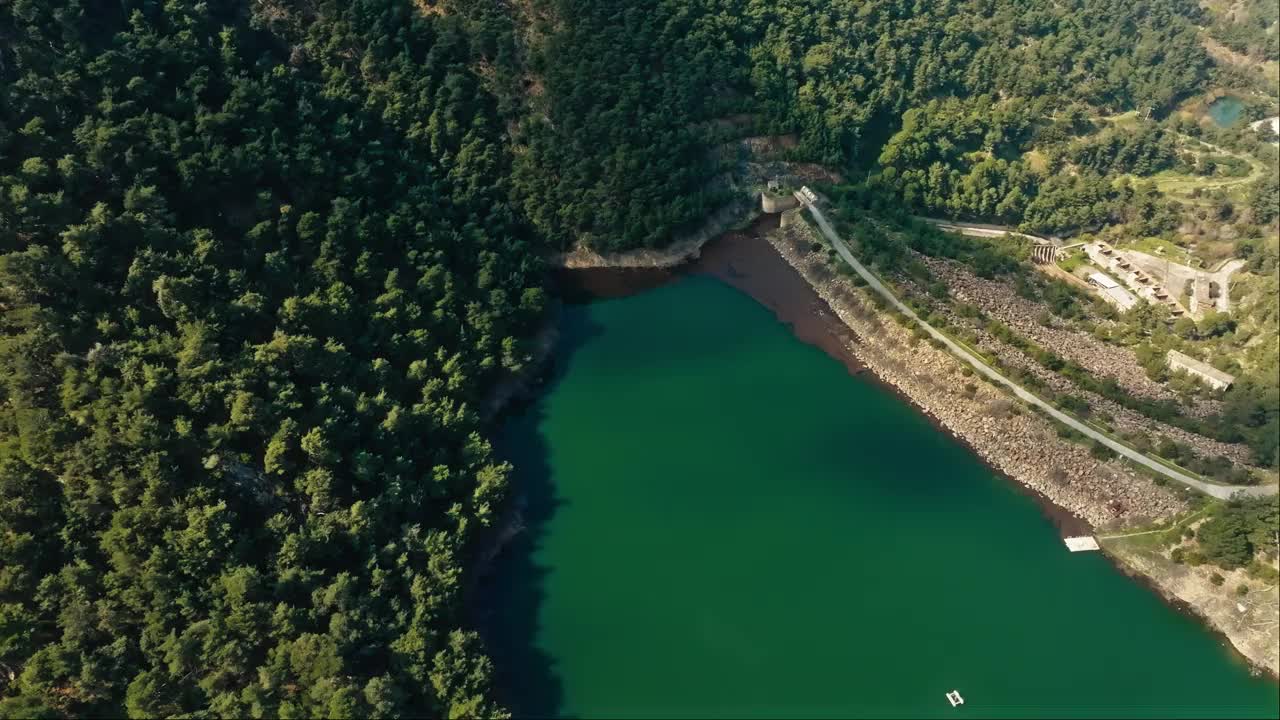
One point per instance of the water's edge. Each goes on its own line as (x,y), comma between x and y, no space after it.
(745,261)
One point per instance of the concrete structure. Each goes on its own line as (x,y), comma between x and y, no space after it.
(1210,375)
(1176,275)
(773,203)
(1222,492)
(1110,291)
(1106,257)
(1081,544)
(1103,281)
(1044,253)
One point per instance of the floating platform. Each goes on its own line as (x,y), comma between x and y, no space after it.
(1081,544)
(954,698)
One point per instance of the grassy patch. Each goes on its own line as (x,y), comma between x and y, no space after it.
(1074,260)
(1036,160)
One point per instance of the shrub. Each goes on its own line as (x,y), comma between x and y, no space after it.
(1216,579)
(1263,572)
(1228,538)
(1242,590)
(1098,451)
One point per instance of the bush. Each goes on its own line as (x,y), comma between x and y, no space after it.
(1073,404)
(1178,555)
(1263,572)
(1216,579)
(1242,590)
(1098,451)
(1239,530)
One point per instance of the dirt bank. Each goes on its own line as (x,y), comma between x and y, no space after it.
(748,260)
(744,260)
(1250,622)
(683,249)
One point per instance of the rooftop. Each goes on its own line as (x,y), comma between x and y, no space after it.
(1103,281)
(1201,368)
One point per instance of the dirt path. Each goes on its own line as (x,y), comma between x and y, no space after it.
(981,230)
(1181,522)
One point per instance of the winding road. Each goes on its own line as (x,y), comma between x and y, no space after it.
(1219,491)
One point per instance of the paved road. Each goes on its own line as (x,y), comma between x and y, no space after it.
(1218,491)
(1173,275)
(979,230)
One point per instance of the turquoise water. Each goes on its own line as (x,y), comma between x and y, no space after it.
(722,522)
(1226,111)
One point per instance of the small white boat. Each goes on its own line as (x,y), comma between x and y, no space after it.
(954,698)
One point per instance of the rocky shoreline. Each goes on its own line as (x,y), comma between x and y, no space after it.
(1012,439)
(680,251)
(827,309)
(1019,444)
(1190,591)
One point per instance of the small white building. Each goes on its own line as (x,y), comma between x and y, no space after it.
(1210,375)
(1102,281)
(1110,290)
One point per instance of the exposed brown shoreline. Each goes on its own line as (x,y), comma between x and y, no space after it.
(752,261)
(745,260)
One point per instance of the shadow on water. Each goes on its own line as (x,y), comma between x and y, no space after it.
(511,594)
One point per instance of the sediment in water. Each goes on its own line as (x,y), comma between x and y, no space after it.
(756,261)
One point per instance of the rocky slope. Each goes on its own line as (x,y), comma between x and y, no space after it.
(1020,443)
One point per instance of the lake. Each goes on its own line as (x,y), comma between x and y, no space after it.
(1226,111)
(723,522)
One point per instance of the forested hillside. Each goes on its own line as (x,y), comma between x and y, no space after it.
(616,157)
(255,273)
(619,133)
(260,263)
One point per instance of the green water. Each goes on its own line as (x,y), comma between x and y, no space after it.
(724,523)
(1226,111)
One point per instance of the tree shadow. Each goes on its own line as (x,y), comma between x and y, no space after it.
(511,595)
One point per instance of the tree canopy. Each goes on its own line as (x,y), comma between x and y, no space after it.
(262,263)
(256,274)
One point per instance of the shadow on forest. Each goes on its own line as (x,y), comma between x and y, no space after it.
(512,593)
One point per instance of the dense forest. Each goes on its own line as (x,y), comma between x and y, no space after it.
(256,273)
(616,146)
(261,265)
